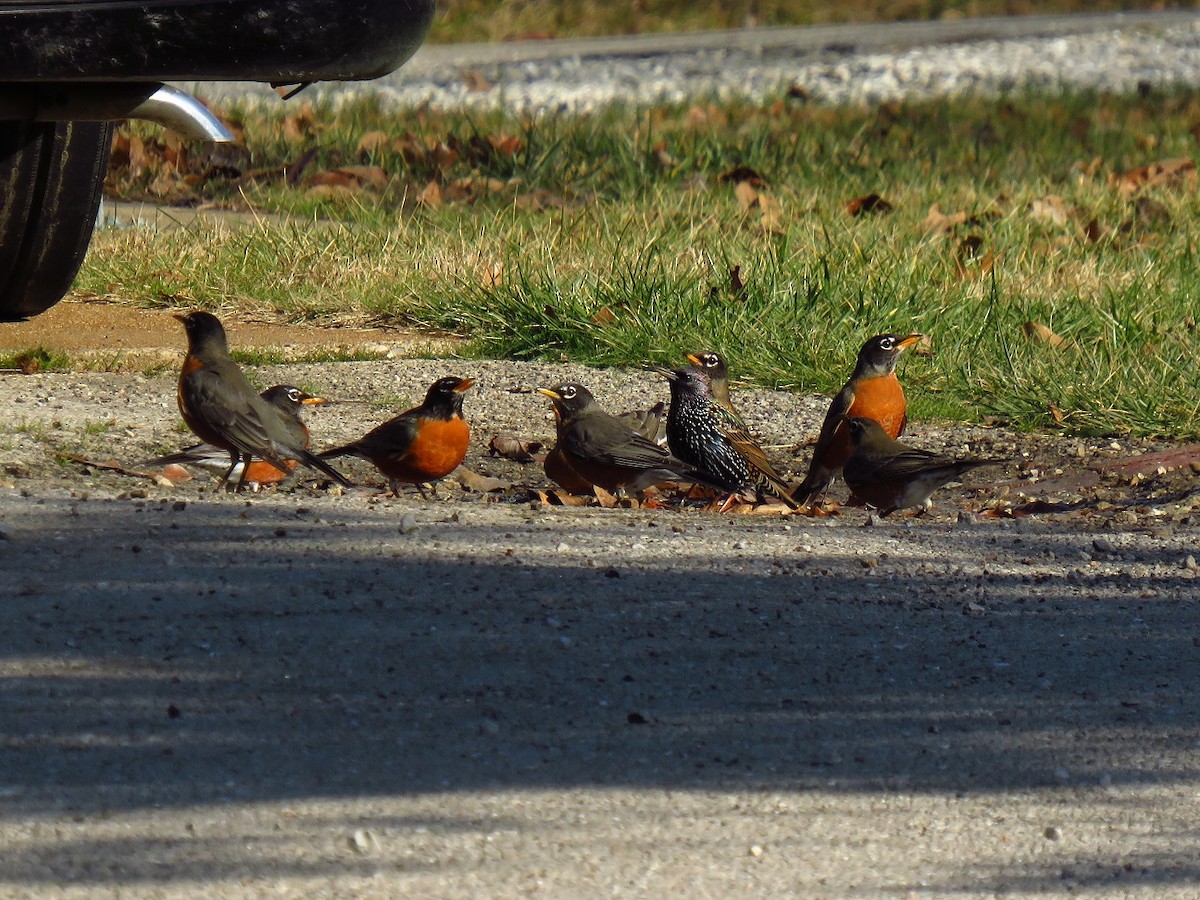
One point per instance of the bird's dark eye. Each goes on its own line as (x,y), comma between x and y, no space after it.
(294,395)
(887,343)
(568,392)
(710,360)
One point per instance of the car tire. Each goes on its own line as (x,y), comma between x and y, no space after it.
(51,180)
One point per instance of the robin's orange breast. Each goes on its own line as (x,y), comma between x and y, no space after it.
(437,449)
(881,399)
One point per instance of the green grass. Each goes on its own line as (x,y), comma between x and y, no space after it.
(35,359)
(610,240)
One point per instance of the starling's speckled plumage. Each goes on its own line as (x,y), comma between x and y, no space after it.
(709,437)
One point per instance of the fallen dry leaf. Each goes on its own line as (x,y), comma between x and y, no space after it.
(604,316)
(431,195)
(1040,332)
(1051,208)
(1164,172)
(871,203)
(480,484)
(372,142)
(746,195)
(511,447)
(936,220)
(739,174)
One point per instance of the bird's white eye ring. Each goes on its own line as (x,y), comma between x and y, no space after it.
(887,343)
(293,395)
(568,392)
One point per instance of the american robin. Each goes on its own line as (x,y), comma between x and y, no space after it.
(284,397)
(872,391)
(603,451)
(713,365)
(649,423)
(890,475)
(705,435)
(221,408)
(422,444)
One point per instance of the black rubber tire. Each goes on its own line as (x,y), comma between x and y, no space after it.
(51,180)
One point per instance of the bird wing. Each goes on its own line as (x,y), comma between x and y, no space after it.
(838,407)
(231,413)
(392,440)
(607,441)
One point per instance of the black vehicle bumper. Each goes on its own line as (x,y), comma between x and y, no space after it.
(277,41)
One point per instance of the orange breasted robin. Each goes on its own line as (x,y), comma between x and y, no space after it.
(705,435)
(287,399)
(422,444)
(890,475)
(601,450)
(873,391)
(221,408)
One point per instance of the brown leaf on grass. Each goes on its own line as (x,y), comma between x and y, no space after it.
(871,203)
(771,220)
(710,116)
(332,192)
(371,143)
(538,200)
(1094,231)
(298,126)
(431,195)
(511,447)
(1040,332)
(1086,170)
(936,220)
(351,177)
(506,145)
(1051,208)
(604,316)
(493,274)
(1056,414)
(739,174)
(746,195)
(1166,172)
(736,285)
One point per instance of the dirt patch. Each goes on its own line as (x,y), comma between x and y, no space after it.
(108,335)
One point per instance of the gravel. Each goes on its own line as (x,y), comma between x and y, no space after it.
(844,65)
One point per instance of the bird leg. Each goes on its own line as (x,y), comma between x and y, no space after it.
(234,458)
(245,471)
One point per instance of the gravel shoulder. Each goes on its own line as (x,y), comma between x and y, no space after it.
(305,693)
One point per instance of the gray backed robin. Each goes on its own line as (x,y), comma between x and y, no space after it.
(221,408)
(284,397)
(648,423)
(873,391)
(601,450)
(890,475)
(420,445)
